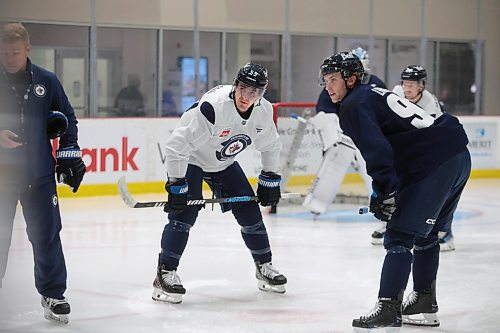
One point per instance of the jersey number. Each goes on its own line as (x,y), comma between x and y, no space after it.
(406,109)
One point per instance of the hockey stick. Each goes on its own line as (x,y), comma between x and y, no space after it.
(132,203)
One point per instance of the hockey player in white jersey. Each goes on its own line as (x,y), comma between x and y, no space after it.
(412,87)
(339,152)
(203,146)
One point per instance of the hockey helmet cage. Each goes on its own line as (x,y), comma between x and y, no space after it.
(362,54)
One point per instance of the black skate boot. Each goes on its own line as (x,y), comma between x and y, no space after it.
(420,308)
(167,286)
(385,315)
(378,235)
(56,309)
(269,279)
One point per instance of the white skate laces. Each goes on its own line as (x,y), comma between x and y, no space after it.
(170,278)
(411,299)
(373,312)
(267,270)
(56,309)
(269,278)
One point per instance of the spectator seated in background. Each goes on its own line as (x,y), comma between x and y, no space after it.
(129,102)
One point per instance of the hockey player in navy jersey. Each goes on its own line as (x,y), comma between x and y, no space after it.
(338,150)
(412,87)
(34,110)
(419,165)
(203,146)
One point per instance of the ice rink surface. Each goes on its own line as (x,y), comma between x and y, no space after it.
(333,271)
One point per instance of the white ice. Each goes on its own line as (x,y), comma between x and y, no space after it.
(333,271)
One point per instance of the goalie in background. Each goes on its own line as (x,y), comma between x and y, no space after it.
(412,87)
(203,147)
(339,152)
(29,95)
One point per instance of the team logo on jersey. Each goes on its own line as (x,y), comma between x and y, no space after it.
(224,133)
(244,122)
(233,147)
(54,200)
(40,90)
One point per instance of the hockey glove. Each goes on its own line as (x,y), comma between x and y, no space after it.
(383,206)
(268,189)
(57,124)
(70,168)
(177,189)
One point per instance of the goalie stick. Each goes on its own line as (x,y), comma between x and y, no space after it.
(131,202)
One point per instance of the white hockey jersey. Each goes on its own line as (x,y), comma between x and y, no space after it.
(428,102)
(211,140)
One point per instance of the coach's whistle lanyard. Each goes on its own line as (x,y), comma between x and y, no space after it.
(21,101)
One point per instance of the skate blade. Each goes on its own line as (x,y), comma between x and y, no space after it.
(422,319)
(162,296)
(377,330)
(280,289)
(49,315)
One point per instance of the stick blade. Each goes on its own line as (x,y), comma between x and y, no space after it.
(125,194)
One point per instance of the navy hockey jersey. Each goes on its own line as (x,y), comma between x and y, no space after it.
(398,140)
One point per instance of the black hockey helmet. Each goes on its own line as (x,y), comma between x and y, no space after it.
(346,63)
(414,73)
(252,74)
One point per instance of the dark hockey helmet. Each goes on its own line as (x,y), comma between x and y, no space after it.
(414,73)
(346,63)
(252,74)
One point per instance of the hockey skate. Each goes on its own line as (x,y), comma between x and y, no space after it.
(269,279)
(420,308)
(56,309)
(446,241)
(378,235)
(167,286)
(385,316)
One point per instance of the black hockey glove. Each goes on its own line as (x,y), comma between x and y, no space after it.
(57,124)
(268,189)
(70,168)
(177,189)
(383,206)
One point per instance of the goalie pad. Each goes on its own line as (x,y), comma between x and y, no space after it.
(359,165)
(328,127)
(329,178)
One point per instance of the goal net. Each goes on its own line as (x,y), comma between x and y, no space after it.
(302,154)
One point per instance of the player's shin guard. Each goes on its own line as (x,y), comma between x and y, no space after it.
(386,314)
(420,308)
(269,278)
(56,309)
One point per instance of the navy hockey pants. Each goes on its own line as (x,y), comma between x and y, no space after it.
(230,182)
(423,209)
(41,212)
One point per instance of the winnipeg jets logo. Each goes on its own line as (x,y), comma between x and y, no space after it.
(233,147)
(40,90)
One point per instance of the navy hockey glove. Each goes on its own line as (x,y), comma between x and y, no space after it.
(70,168)
(268,189)
(57,124)
(177,189)
(383,206)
